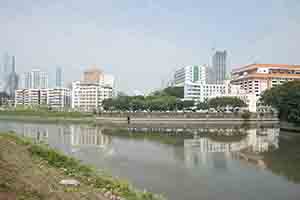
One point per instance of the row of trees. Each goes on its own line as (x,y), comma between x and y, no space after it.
(168,99)
(286,99)
(149,103)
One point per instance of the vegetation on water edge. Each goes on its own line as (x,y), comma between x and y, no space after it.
(286,99)
(84,173)
(285,161)
(165,138)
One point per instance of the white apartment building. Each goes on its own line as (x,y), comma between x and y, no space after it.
(55,98)
(190,74)
(59,98)
(31,97)
(201,92)
(88,96)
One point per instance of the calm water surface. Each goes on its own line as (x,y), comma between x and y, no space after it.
(184,164)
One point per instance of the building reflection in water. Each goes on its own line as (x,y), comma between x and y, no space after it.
(246,146)
(88,136)
(69,138)
(39,134)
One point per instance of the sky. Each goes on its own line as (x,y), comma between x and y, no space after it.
(141,42)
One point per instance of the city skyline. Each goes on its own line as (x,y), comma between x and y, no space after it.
(161,36)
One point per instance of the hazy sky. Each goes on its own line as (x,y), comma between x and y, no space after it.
(142,41)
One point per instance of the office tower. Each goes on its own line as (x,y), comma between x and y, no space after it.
(210,75)
(6,65)
(43,80)
(36,78)
(12,79)
(190,74)
(219,67)
(27,80)
(59,77)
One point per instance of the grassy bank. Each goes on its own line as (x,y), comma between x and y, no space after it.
(46,116)
(38,119)
(33,171)
(44,113)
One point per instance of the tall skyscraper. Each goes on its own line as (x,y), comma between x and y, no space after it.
(12,78)
(36,79)
(27,80)
(6,65)
(219,67)
(59,77)
(43,80)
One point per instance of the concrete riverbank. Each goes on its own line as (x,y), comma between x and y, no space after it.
(290,127)
(185,118)
(152,118)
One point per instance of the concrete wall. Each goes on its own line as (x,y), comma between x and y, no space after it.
(177,115)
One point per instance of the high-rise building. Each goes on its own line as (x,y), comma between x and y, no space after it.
(12,81)
(92,75)
(36,79)
(27,80)
(219,67)
(190,74)
(95,75)
(43,80)
(59,77)
(6,66)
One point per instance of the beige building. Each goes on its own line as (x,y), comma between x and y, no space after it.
(93,75)
(256,78)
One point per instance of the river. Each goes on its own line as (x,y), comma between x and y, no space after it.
(200,163)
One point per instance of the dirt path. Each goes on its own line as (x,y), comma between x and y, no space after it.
(22,177)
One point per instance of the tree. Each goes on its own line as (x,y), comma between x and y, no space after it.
(108,104)
(202,105)
(174,91)
(137,104)
(286,99)
(182,105)
(177,92)
(222,102)
(3,98)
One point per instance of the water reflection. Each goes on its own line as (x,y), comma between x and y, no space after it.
(246,145)
(183,163)
(254,140)
(69,138)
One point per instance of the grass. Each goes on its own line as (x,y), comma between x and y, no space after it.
(45,113)
(85,174)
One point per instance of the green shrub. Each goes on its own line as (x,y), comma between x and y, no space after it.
(73,167)
(246,115)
